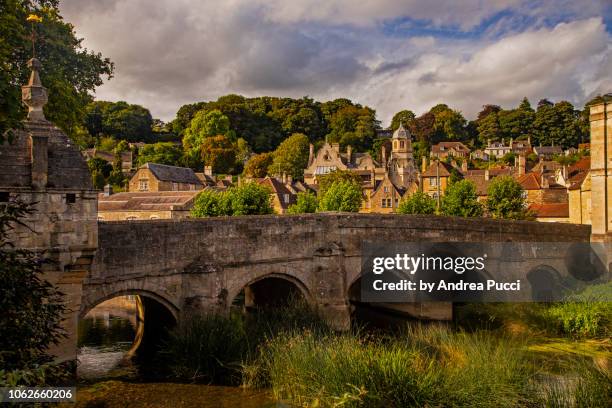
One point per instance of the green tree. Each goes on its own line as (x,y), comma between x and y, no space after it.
(160,153)
(405,117)
(291,157)
(205,124)
(219,153)
(325,181)
(208,203)
(487,124)
(460,199)
(257,166)
(505,199)
(70,72)
(306,203)
(417,203)
(248,199)
(342,196)
(120,120)
(32,309)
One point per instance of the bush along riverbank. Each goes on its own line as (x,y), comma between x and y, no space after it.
(496,355)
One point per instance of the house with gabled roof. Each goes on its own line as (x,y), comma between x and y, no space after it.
(160,177)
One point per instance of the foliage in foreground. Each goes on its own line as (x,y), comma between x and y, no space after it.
(505,199)
(306,203)
(31,308)
(341,196)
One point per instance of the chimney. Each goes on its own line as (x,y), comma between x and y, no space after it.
(289,179)
(424,164)
(284,177)
(522,163)
(488,142)
(487,176)
(349,152)
(384,155)
(208,170)
(464,165)
(336,147)
(310,154)
(108,190)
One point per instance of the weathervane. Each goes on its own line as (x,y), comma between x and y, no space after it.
(33,18)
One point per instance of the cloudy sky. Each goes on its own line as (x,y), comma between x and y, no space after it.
(388,54)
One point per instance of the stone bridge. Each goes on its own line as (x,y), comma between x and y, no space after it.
(205,264)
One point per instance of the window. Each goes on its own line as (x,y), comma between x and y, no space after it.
(4,196)
(433,181)
(386,189)
(286,198)
(384,203)
(397,202)
(401,144)
(175,186)
(70,198)
(389,205)
(143,185)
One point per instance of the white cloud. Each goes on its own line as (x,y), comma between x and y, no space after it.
(171,52)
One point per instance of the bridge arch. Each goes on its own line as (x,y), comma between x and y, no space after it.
(99,298)
(545,282)
(270,289)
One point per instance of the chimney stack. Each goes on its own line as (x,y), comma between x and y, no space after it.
(522,164)
(464,165)
(336,147)
(108,190)
(310,154)
(208,170)
(487,175)
(424,164)
(349,152)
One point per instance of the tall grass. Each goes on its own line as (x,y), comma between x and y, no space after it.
(424,366)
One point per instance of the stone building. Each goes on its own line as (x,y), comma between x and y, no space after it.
(385,197)
(148,205)
(397,167)
(443,150)
(435,178)
(42,166)
(579,195)
(160,177)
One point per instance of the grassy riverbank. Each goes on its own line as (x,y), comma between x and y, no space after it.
(528,355)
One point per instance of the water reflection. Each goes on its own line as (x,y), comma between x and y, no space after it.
(106,334)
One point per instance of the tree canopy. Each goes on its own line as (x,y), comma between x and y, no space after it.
(306,203)
(417,203)
(291,157)
(69,71)
(119,120)
(460,199)
(505,199)
(343,195)
(161,153)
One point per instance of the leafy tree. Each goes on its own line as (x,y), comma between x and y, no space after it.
(448,124)
(508,158)
(100,165)
(248,199)
(120,120)
(70,72)
(404,117)
(31,307)
(257,166)
(342,196)
(325,181)
(160,153)
(306,203)
(359,121)
(116,177)
(208,203)
(218,152)
(505,199)
(243,151)
(487,124)
(291,157)
(460,199)
(417,203)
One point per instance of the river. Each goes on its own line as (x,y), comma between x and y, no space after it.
(107,375)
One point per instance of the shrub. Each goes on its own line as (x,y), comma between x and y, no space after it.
(505,199)
(248,199)
(208,203)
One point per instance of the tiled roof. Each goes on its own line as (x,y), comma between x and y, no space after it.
(443,146)
(444,170)
(530,181)
(548,150)
(550,210)
(145,201)
(577,180)
(482,185)
(172,173)
(582,165)
(280,190)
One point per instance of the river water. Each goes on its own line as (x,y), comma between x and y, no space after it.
(106,335)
